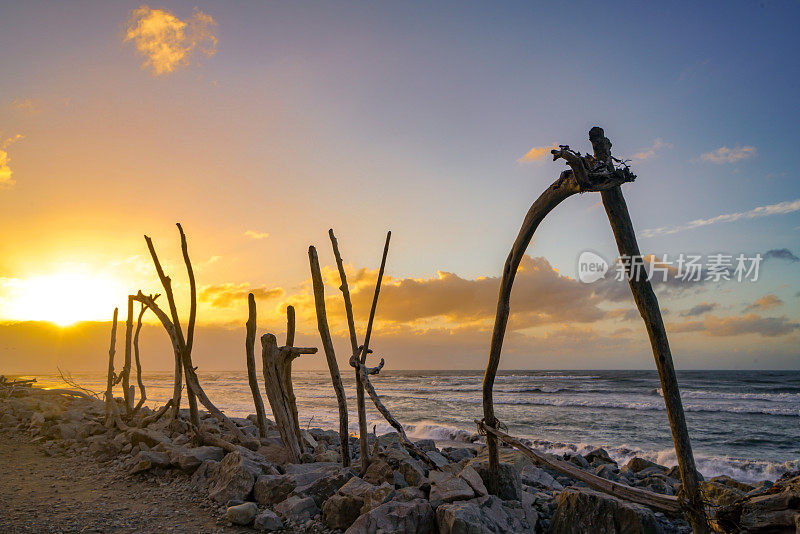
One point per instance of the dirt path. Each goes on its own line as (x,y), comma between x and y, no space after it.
(44,490)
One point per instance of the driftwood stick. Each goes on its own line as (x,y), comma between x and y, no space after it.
(290,332)
(142,391)
(330,355)
(657,501)
(192,381)
(194,416)
(565,186)
(110,381)
(156,416)
(126,368)
(348,308)
(249,348)
(374,307)
(647,303)
(376,400)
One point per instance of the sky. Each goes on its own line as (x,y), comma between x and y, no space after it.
(259,126)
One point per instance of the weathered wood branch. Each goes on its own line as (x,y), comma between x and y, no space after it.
(657,501)
(192,382)
(110,379)
(249,349)
(276,366)
(647,303)
(330,355)
(374,307)
(156,416)
(194,416)
(139,380)
(126,368)
(348,308)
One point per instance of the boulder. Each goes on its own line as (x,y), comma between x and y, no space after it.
(537,477)
(268,521)
(599,456)
(297,508)
(438,458)
(323,488)
(8,421)
(235,477)
(590,511)
(146,460)
(190,459)
(340,511)
(242,514)
(304,474)
(413,472)
(396,517)
(203,475)
(719,494)
(356,487)
(450,489)
(327,456)
(474,480)
(379,471)
(378,496)
(484,514)
(510,483)
(636,465)
(272,489)
(427,445)
(457,454)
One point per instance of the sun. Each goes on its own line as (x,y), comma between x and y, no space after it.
(62,298)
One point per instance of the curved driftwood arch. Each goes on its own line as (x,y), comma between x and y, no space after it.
(601,173)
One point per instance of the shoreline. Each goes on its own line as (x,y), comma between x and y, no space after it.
(259,489)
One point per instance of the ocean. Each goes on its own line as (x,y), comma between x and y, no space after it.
(745,424)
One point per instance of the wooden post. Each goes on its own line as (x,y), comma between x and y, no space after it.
(194,416)
(348,308)
(647,303)
(126,368)
(277,362)
(110,382)
(142,391)
(374,307)
(249,344)
(330,355)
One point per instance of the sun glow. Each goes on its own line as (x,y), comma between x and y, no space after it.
(61,298)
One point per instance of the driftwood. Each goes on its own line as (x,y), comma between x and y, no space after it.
(142,391)
(348,307)
(156,416)
(249,349)
(126,367)
(192,382)
(647,303)
(70,381)
(110,378)
(190,395)
(330,355)
(657,501)
(277,363)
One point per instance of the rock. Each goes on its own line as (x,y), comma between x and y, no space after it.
(409,494)
(412,471)
(390,438)
(190,459)
(728,481)
(399,480)
(235,477)
(578,460)
(272,489)
(242,514)
(396,517)
(327,456)
(340,511)
(322,488)
(770,512)
(379,471)
(378,496)
(510,482)
(427,445)
(274,453)
(606,471)
(148,436)
(450,489)
(457,454)
(356,487)
(474,480)
(484,514)
(67,430)
(537,477)
(297,508)
(719,494)
(268,520)
(203,475)
(636,465)
(438,458)
(304,474)
(599,455)
(146,460)
(8,421)
(590,511)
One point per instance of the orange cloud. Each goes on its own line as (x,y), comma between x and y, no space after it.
(739,325)
(167,42)
(5,170)
(226,295)
(729,155)
(650,152)
(764,303)
(537,153)
(253,234)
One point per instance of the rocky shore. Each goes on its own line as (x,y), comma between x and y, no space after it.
(158,477)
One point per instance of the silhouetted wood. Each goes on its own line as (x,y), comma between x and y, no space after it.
(142,391)
(578,179)
(277,362)
(192,381)
(368,334)
(249,344)
(657,501)
(290,332)
(348,308)
(647,303)
(190,396)
(110,381)
(126,368)
(156,416)
(330,355)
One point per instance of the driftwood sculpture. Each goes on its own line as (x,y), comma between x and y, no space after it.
(605,174)
(249,349)
(277,369)
(142,391)
(330,355)
(348,307)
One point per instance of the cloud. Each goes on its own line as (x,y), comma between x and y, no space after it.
(789,206)
(5,170)
(764,303)
(739,325)
(699,309)
(167,42)
(25,104)
(537,153)
(226,295)
(729,155)
(253,234)
(650,152)
(781,254)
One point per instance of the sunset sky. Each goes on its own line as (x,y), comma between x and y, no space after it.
(258,126)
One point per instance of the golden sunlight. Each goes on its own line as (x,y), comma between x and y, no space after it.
(61,298)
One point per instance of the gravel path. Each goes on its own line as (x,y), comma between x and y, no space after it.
(45,490)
